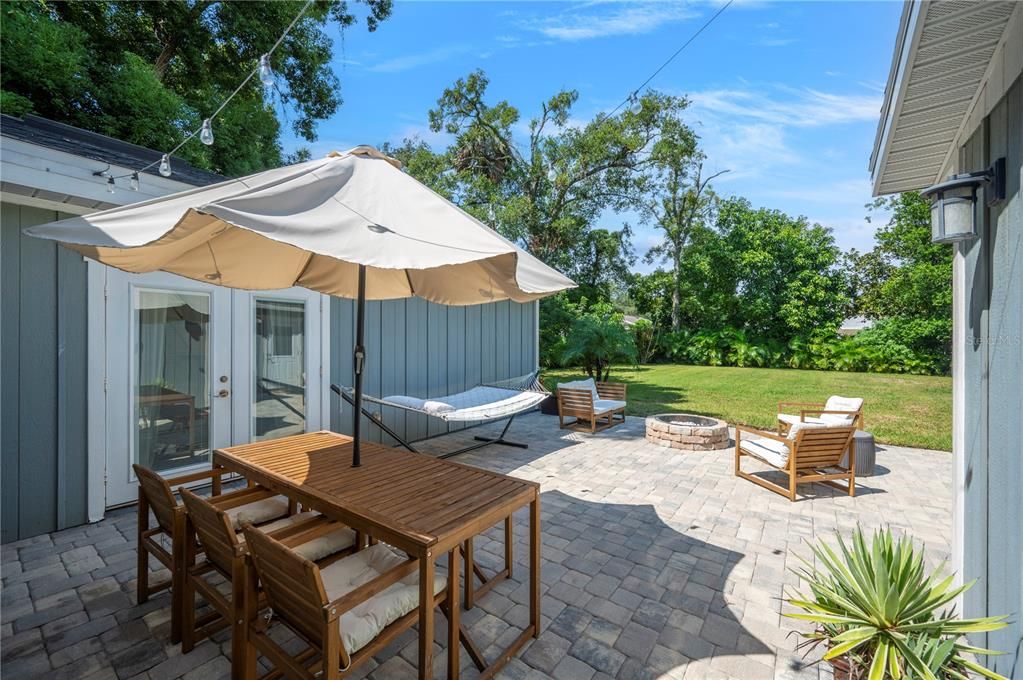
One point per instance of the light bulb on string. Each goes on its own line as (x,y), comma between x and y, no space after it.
(634,104)
(110,185)
(134,181)
(266,74)
(165,168)
(206,134)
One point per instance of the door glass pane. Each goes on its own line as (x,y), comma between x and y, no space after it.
(279,356)
(172,388)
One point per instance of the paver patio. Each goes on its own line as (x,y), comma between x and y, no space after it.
(656,563)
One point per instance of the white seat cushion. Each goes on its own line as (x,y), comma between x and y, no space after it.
(792,420)
(768,450)
(258,512)
(605,405)
(327,544)
(587,384)
(318,548)
(837,403)
(364,622)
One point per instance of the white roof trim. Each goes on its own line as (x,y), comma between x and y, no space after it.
(42,177)
(943,57)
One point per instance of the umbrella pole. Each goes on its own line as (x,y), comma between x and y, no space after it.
(359,357)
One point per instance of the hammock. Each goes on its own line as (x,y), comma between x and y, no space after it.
(486,402)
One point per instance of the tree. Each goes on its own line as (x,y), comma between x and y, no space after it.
(547,192)
(597,339)
(678,201)
(600,263)
(905,281)
(149,72)
(650,295)
(785,274)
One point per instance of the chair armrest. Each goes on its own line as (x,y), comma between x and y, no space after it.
(244,496)
(194,476)
(612,390)
(353,598)
(759,433)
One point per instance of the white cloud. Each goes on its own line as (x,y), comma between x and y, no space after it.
(436,140)
(597,21)
(799,107)
(412,61)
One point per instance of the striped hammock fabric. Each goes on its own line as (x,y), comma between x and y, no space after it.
(490,401)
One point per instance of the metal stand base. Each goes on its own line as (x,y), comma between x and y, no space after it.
(484,441)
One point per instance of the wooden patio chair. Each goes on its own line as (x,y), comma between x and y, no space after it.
(837,412)
(593,402)
(156,494)
(215,522)
(346,611)
(810,453)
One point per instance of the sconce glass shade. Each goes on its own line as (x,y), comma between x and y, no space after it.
(954,202)
(953,215)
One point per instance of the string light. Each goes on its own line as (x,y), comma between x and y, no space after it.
(110,185)
(205,132)
(206,136)
(266,74)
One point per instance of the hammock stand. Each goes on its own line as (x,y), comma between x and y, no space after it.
(510,406)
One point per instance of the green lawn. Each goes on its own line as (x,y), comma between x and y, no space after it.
(910,410)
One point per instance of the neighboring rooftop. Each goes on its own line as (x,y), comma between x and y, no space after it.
(70,139)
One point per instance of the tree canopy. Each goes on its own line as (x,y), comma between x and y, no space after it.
(150,72)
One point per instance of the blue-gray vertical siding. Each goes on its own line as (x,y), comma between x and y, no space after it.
(42,379)
(993,504)
(423,349)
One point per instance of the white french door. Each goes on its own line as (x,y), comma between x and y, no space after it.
(191,367)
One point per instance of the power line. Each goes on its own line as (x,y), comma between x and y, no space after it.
(265,74)
(635,93)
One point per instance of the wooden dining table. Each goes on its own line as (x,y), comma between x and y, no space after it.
(422,505)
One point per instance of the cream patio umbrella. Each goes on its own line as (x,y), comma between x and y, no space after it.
(351,225)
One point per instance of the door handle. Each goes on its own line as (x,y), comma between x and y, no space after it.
(223,393)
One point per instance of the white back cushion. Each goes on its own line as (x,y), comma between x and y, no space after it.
(587,384)
(794,428)
(837,403)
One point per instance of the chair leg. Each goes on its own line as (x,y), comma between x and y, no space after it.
(792,483)
(142,575)
(187,602)
(243,590)
(453,613)
(177,576)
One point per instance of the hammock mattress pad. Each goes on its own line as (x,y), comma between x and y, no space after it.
(480,403)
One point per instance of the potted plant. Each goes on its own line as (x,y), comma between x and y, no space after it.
(880,614)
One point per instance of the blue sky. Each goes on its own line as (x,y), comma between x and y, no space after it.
(784,95)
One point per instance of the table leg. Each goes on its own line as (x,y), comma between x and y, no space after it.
(509,543)
(426,572)
(534,565)
(470,585)
(454,614)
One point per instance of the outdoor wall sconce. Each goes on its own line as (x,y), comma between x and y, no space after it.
(954,202)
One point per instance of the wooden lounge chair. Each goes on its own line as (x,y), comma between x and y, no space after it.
(837,411)
(345,611)
(810,453)
(216,525)
(601,404)
(155,494)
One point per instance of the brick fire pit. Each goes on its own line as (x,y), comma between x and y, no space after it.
(687,432)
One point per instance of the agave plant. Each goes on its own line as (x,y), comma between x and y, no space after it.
(876,606)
